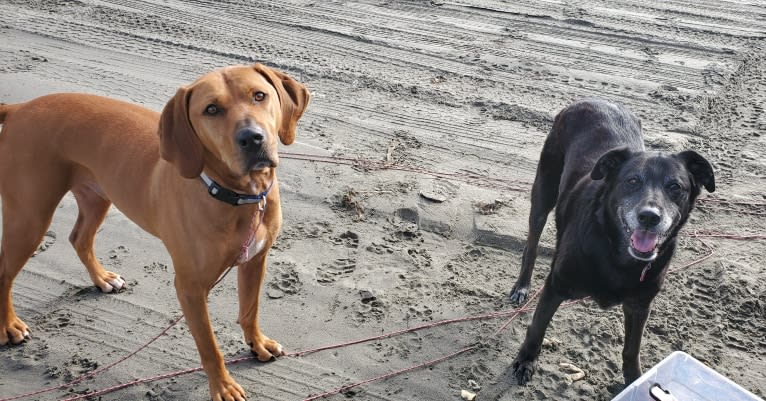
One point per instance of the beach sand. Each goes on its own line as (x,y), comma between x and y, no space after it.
(459,87)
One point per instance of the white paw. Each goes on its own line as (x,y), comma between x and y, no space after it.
(113,285)
(117,283)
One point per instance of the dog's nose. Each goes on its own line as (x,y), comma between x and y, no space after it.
(249,138)
(648,218)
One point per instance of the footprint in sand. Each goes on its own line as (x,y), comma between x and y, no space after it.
(374,309)
(48,240)
(419,312)
(116,255)
(350,239)
(380,249)
(285,281)
(329,273)
(314,229)
(420,257)
(403,347)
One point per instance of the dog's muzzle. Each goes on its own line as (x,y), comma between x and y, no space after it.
(644,234)
(252,142)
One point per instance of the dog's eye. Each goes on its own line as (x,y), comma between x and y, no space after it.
(674,187)
(259,96)
(212,110)
(633,181)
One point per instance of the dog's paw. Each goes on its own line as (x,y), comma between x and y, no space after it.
(15,331)
(109,282)
(265,348)
(523,371)
(226,389)
(519,294)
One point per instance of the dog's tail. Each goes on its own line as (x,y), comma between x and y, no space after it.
(6,109)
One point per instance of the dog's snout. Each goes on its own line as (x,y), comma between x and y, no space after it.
(649,218)
(249,138)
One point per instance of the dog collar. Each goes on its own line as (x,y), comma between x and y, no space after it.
(234,198)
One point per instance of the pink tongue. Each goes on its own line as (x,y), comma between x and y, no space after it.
(644,241)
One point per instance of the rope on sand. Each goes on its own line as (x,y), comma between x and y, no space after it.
(511,314)
(474,347)
(472,178)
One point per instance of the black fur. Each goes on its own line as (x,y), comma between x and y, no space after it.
(618,211)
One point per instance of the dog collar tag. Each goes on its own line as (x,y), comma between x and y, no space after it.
(643,272)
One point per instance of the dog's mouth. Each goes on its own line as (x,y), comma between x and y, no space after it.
(260,160)
(643,244)
(262,164)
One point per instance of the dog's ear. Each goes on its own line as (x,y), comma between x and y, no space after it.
(700,171)
(179,143)
(609,162)
(293,98)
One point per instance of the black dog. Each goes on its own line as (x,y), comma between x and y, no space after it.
(618,211)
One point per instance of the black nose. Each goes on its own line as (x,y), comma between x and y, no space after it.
(249,138)
(648,218)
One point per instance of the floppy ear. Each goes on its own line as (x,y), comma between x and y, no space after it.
(609,162)
(179,144)
(293,98)
(699,169)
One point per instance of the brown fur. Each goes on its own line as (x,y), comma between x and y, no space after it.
(106,151)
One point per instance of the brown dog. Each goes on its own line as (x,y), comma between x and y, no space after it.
(222,127)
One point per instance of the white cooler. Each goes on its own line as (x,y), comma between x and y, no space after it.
(684,379)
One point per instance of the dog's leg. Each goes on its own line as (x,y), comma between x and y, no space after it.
(24,224)
(192,294)
(92,211)
(525,362)
(635,321)
(543,199)
(250,281)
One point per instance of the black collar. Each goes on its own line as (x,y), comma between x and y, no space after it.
(233,198)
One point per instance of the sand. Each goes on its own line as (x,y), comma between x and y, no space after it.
(452,87)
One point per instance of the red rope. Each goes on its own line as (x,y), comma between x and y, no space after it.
(514,313)
(473,347)
(97,371)
(391,374)
(729,209)
(241,359)
(443,358)
(356,162)
(713,234)
(473,178)
(291,354)
(488,181)
(741,203)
